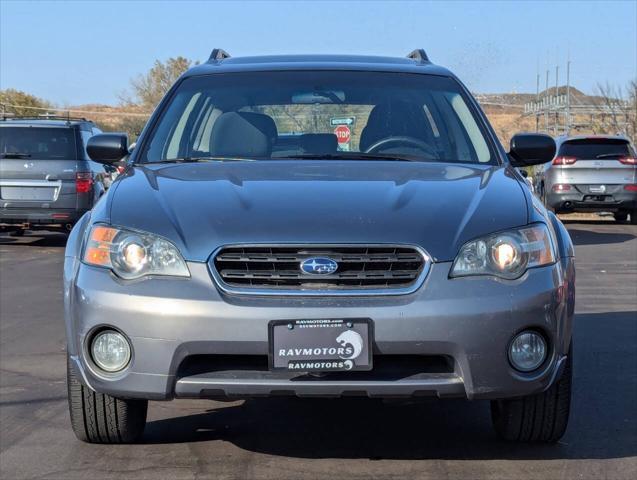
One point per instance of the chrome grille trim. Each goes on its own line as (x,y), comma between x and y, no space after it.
(408,280)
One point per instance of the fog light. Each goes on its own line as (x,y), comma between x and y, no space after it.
(528,351)
(110,350)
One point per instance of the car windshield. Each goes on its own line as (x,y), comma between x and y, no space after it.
(37,143)
(319,115)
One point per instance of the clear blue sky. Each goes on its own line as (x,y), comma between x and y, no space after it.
(85,52)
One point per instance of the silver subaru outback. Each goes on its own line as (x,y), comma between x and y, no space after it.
(319,226)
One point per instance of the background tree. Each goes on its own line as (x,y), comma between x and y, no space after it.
(145,92)
(148,89)
(28,104)
(618,109)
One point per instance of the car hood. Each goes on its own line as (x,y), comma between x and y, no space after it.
(202,206)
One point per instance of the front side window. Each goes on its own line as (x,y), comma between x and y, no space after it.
(303,114)
(38,143)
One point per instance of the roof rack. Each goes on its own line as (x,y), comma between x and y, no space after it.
(218,54)
(9,116)
(419,55)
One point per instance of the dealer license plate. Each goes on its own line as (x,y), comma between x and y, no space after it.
(322,345)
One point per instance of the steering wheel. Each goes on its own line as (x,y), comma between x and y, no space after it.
(386,142)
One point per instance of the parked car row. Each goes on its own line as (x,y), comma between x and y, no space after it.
(47,179)
(414,262)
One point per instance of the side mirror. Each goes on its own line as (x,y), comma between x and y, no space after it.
(531,149)
(107,147)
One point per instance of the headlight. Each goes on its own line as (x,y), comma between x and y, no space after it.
(507,254)
(133,254)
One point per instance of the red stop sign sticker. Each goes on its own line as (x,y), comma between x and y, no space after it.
(342,133)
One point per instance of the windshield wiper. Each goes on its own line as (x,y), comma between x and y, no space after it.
(197,160)
(15,155)
(300,156)
(352,156)
(609,155)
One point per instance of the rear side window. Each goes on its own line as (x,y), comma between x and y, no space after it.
(595,149)
(38,143)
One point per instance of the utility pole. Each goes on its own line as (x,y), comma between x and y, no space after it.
(577,113)
(568,95)
(537,99)
(546,101)
(557,97)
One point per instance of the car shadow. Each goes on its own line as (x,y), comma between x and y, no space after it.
(603,418)
(589,237)
(36,238)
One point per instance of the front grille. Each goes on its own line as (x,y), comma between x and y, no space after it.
(387,268)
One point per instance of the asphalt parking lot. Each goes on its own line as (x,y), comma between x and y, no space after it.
(293,438)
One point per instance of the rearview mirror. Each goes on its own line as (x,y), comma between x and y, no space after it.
(319,96)
(107,147)
(531,149)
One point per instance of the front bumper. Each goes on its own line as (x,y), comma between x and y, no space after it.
(170,321)
(575,201)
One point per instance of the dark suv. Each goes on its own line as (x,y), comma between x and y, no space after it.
(46,176)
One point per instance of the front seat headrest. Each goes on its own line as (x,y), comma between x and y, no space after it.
(395,118)
(242,134)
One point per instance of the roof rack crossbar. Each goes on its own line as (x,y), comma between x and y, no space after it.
(419,55)
(9,116)
(218,54)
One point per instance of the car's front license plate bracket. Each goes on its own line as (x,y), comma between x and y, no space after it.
(320,345)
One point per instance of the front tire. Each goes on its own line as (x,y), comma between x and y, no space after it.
(101,418)
(620,216)
(536,418)
(633,217)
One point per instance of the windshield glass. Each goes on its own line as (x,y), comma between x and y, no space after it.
(319,114)
(38,143)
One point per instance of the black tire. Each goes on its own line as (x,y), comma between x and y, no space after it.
(100,418)
(633,217)
(620,216)
(536,418)
(546,203)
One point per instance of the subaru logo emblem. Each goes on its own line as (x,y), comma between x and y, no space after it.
(319,266)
